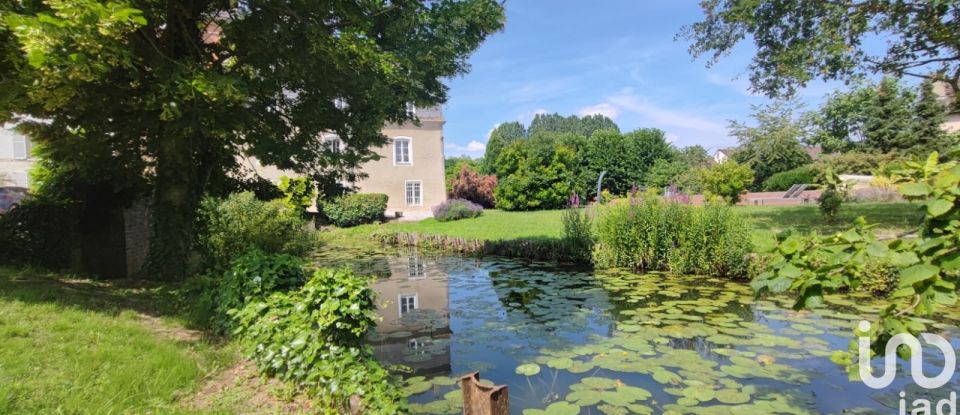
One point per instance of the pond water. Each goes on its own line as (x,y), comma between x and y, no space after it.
(614,342)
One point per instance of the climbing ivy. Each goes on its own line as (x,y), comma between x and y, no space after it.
(929,264)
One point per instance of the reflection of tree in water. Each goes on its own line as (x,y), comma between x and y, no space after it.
(698,344)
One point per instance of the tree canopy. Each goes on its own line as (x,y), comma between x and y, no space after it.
(167,95)
(799,41)
(887,116)
(773,144)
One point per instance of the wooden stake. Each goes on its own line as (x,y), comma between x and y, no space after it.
(483,400)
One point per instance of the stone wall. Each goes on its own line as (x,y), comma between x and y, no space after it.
(136,224)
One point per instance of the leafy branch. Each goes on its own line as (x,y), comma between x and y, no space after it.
(813,265)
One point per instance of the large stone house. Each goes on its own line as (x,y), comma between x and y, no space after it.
(409,171)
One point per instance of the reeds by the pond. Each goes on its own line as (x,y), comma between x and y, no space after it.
(656,235)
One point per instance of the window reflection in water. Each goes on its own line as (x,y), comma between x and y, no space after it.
(414,329)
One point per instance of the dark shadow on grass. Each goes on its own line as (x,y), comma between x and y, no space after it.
(150,298)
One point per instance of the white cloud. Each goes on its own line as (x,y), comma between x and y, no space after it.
(665,118)
(672,138)
(606,109)
(473,148)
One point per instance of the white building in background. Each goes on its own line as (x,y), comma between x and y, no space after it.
(722,155)
(946,98)
(15,158)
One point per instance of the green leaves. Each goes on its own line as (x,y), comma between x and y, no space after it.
(915,189)
(918,273)
(938,207)
(929,265)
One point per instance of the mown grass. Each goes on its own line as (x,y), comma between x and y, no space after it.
(83,347)
(890,219)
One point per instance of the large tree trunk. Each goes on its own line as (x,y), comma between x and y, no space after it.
(176,197)
(178,185)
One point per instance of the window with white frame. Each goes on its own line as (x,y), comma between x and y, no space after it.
(408,303)
(414,192)
(416,268)
(19,147)
(411,109)
(332,144)
(402,153)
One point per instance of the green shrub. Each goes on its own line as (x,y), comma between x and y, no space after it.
(36,232)
(251,277)
(653,235)
(356,209)
(728,180)
(298,193)
(834,194)
(577,235)
(232,226)
(785,179)
(314,338)
(456,209)
(856,162)
(879,277)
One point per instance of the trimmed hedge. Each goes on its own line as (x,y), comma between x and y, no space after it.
(355,209)
(783,180)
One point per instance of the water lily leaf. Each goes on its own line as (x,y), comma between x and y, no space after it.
(666,377)
(529,369)
(417,387)
(562,363)
(732,396)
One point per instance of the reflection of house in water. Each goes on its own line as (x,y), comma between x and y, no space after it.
(414,330)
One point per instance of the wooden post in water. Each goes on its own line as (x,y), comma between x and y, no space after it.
(483,400)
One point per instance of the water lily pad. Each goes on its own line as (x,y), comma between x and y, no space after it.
(562,363)
(732,396)
(666,377)
(529,369)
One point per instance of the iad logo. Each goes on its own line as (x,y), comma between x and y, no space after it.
(919,406)
(916,359)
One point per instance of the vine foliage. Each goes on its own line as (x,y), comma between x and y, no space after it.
(813,265)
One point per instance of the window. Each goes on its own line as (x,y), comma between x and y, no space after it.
(402,154)
(411,109)
(332,144)
(414,193)
(19,147)
(415,344)
(408,303)
(416,269)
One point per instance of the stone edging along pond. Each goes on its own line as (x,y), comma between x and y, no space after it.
(535,249)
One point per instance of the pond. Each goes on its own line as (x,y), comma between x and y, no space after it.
(615,342)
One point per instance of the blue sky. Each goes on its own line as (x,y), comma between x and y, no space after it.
(615,57)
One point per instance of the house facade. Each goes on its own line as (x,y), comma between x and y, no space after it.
(15,158)
(409,170)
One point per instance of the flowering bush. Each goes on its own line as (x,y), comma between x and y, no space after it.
(456,209)
(472,186)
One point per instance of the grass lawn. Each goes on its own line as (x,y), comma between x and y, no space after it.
(84,347)
(766,220)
